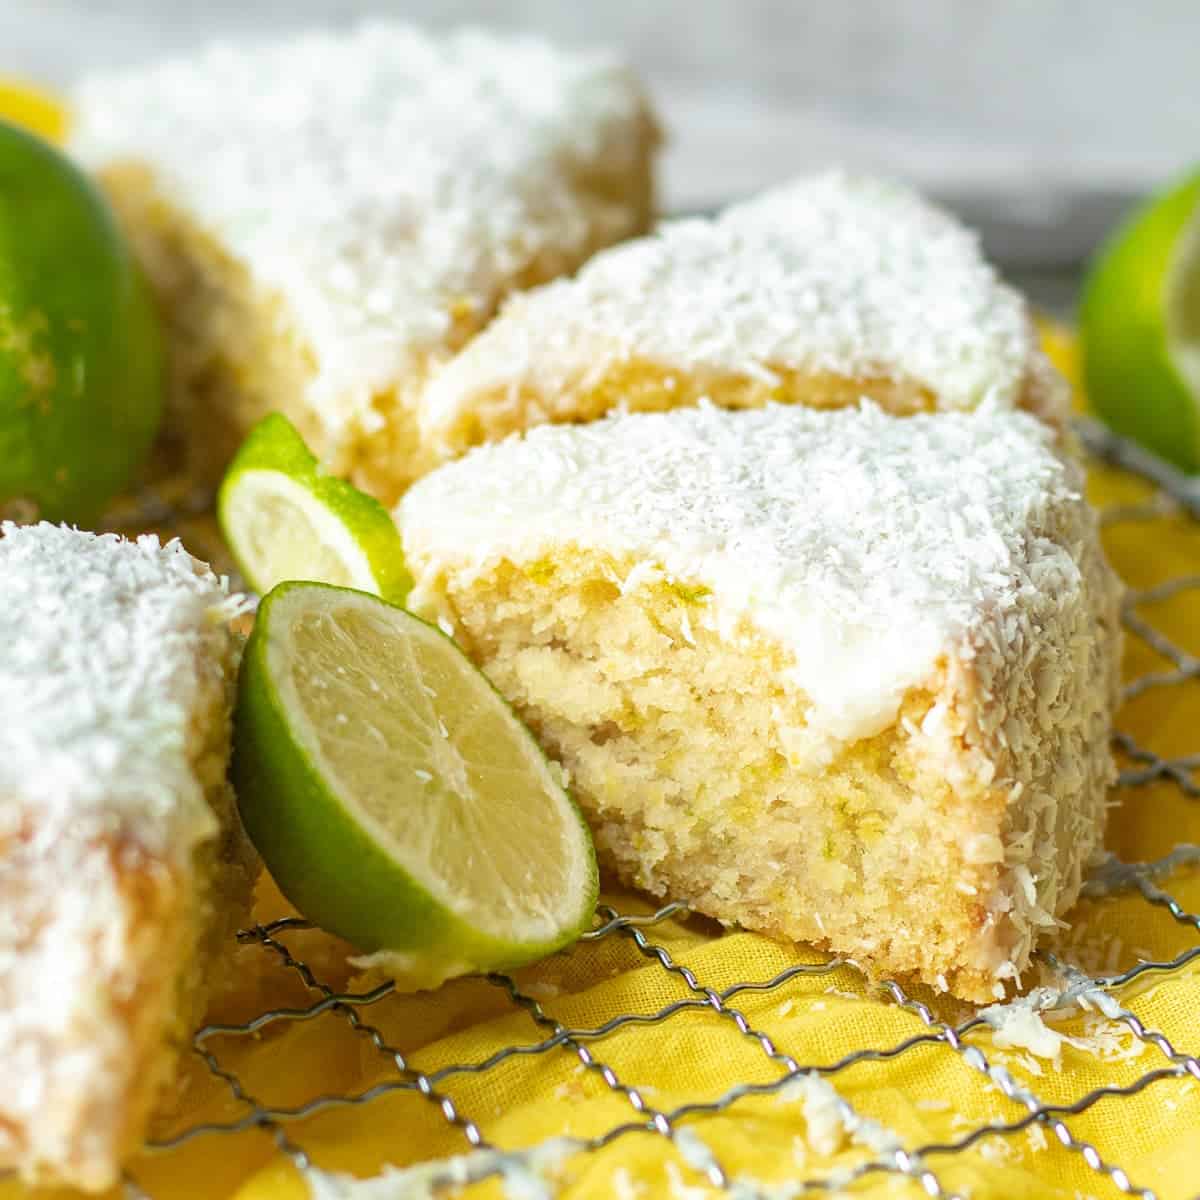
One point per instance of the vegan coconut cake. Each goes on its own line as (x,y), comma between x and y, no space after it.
(820,292)
(829,675)
(328,217)
(122,865)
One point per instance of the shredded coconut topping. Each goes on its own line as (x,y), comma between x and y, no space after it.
(871,546)
(837,273)
(382,180)
(114,710)
(105,642)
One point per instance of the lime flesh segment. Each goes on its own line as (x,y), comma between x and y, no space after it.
(283,532)
(394,795)
(1140,326)
(285,518)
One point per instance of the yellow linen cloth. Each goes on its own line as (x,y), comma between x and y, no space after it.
(927,1095)
(24,104)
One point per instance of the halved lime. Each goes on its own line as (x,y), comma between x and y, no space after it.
(285,518)
(1139,326)
(396,798)
(81,357)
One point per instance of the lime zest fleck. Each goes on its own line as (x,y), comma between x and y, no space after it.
(541,571)
(689,593)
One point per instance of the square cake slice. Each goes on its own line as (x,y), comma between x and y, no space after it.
(123,870)
(328,217)
(832,676)
(818,292)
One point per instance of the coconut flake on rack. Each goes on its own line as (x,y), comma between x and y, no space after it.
(830,1119)
(1019,1024)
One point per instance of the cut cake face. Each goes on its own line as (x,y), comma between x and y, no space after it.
(829,675)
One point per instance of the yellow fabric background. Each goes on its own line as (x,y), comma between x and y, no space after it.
(26,105)
(927,1095)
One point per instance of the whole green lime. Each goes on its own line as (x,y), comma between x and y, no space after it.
(81,354)
(1139,325)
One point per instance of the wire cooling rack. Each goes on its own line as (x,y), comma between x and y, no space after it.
(922,1166)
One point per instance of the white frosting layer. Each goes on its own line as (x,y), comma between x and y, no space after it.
(379,179)
(106,642)
(871,546)
(838,273)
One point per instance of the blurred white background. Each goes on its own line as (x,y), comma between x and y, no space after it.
(1015,96)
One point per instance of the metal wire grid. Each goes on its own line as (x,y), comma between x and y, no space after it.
(920,1163)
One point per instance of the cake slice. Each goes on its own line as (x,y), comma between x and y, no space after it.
(328,217)
(123,871)
(819,292)
(832,676)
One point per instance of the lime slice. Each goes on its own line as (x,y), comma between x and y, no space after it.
(1140,326)
(81,359)
(285,518)
(394,795)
